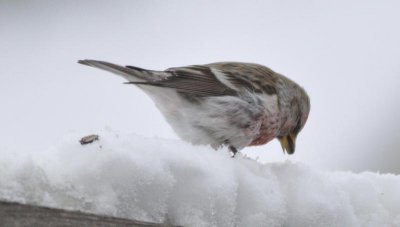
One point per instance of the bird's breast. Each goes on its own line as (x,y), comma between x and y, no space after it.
(268,131)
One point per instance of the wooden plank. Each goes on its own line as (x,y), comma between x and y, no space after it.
(20,215)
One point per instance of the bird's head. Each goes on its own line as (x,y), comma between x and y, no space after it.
(299,110)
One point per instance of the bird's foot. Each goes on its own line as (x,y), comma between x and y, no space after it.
(233,151)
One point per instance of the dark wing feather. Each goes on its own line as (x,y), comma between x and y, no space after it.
(248,76)
(193,80)
(201,81)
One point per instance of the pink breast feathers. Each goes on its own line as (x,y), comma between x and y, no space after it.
(268,131)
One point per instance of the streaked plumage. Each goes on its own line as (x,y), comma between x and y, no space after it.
(226,103)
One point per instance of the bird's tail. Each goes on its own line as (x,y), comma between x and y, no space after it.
(130,73)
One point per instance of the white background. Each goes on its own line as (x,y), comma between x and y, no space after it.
(344,53)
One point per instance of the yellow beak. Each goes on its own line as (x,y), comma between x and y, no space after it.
(288,143)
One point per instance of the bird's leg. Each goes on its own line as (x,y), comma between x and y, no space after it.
(233,151)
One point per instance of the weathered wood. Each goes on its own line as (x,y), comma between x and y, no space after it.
(19,215)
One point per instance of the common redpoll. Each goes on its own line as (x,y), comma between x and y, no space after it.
(226,103)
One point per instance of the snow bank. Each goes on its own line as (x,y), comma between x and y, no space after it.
(171,181)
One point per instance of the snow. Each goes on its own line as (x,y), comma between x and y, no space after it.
(159,180)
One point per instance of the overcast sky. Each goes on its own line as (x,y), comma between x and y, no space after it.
(344,53)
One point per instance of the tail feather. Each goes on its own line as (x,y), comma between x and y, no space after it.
(130,73)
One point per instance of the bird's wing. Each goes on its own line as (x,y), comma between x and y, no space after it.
(246,76)
(218,79)
(195,80)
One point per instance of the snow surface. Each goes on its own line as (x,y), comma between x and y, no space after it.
(171,181)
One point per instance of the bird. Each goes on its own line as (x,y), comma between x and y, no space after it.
(222,104)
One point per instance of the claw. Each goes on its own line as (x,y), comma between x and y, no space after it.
(233,151)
